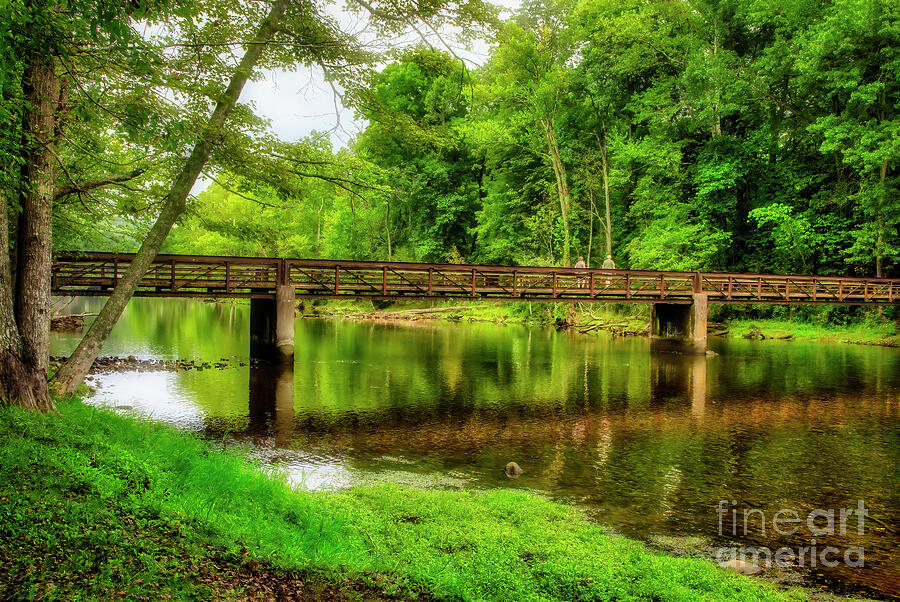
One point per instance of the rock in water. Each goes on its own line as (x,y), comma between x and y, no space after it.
(740,566)
(513,470)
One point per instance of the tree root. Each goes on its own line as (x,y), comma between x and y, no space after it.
(21,386)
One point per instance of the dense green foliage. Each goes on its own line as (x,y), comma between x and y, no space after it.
(744,135)
(739,135)
(142,509)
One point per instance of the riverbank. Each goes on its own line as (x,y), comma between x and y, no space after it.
(860,334)
(98,505)
(581,316)
(628,320)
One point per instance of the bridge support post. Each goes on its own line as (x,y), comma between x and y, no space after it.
(272,325)
(285,302)
(679,327)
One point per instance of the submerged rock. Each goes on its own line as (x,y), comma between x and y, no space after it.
(514,470)
(740,566)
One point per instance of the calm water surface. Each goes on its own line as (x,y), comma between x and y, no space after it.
(649,443)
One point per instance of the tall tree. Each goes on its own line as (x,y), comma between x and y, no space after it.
(72,373)
(289,33)
(527,82)
(850,63)
(43,95)
(414,107)
(25,316)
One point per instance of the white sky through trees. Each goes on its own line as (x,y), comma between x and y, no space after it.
(299,102)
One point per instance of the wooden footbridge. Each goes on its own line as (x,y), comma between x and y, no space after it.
(679,300)
(209,276)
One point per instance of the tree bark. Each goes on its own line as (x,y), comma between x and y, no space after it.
(32,301)
(591,228)
(387,227)
(717,92)
(72,373)
(20,385)
(319,227)
(562,185)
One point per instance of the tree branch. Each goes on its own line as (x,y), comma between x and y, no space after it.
(63,191)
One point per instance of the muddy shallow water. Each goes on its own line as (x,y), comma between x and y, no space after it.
(652,444)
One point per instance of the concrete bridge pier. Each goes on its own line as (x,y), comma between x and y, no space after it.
(272,325)
(679,327)
(285,302)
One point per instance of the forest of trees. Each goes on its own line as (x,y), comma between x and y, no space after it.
(739,135)
(743,135)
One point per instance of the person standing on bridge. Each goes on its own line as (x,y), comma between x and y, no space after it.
(580,265)
(608,264)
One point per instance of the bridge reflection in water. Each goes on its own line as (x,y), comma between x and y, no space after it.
(654,464)
(628,435)
(271,400)
(671,379)
(673,376)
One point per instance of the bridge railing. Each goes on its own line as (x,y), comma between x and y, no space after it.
(462,281)
(218,276)
(169,275)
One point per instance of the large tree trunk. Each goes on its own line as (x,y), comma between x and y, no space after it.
(20,385)
(35,223)
(25,319)
(562,185)
(72,373)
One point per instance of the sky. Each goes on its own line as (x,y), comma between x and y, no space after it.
(300,101)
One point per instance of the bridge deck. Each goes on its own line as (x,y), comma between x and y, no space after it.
(211,276)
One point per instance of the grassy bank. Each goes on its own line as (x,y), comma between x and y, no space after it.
(96,505)
(860,333)
(866,326)
(498,312)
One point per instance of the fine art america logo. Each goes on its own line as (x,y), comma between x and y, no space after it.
(786,523)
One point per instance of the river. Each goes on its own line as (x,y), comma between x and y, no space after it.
(651,444)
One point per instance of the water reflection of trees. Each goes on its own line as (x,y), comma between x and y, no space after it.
(651,441)
(658,465)
(168,328)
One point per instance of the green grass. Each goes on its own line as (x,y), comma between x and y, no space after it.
(501,312)
(871,328)
(94,505)
(860,332)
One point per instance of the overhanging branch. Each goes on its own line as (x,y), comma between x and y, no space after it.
(64,191)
